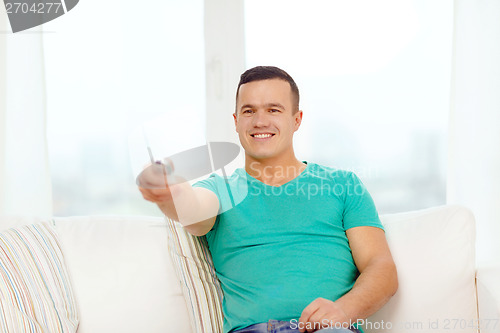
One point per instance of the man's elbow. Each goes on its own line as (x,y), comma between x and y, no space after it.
(393,278)
(388,277)
(199,228)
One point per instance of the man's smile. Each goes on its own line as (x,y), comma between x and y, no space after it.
(262,136)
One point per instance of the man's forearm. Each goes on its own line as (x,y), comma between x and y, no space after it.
(373,288)
(181,205)
(189,206)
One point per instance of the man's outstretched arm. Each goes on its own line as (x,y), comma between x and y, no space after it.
(195,208)
(376,284)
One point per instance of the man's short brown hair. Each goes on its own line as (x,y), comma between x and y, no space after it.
(267,73)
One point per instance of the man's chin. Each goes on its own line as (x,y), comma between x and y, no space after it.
(260,157)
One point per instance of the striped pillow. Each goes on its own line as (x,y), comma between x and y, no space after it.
(35,291)
(194,268)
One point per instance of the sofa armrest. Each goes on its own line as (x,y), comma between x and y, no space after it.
(488,293)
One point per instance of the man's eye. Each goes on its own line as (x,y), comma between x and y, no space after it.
(274,110)
(247,111)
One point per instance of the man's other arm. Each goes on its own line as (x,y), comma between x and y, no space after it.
(375,285)
(195,208)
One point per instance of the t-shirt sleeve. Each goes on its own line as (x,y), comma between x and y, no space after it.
(359,208)
(208,183)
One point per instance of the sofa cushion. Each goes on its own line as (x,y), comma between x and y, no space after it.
(194,267)
(123,277)
(35,290)
(434,252)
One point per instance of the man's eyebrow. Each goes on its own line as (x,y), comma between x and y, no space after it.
(275,105)
(268,105)
(247,106)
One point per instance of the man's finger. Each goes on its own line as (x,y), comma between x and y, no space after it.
(152,183)
(307,314)
(156,195)
(149,197)
(315,321)
(153,176)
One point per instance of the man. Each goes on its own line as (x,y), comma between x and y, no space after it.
(303,249)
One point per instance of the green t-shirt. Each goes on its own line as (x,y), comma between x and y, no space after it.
(276,249)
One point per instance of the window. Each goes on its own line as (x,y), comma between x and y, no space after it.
(374,80)
(112,67)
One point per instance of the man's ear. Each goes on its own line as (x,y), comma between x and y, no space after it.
(298,119)
(235,120)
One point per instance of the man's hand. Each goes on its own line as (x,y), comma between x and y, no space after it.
(162,189)
(154,184)
(322,313)
(195,208)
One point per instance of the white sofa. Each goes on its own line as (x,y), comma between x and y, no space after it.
(124,281)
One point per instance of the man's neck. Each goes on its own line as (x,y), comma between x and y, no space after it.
(274,173)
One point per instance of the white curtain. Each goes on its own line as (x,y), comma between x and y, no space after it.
(474,146)
(24,173)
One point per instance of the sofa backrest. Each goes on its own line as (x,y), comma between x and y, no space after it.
(434,251)
(122,274)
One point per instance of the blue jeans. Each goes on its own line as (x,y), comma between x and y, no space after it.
(277,326)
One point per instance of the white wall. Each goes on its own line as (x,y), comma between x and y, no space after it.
(474,133)
(225,61)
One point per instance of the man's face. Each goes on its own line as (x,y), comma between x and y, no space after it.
(265,119)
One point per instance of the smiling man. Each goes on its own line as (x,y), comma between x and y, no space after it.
(304,249)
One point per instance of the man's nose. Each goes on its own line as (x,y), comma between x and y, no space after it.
(260,119)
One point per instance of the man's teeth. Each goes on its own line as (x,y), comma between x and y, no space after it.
(262,135)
